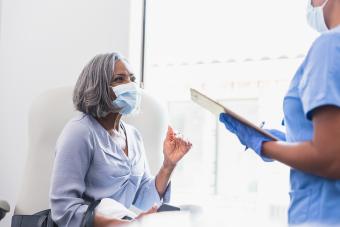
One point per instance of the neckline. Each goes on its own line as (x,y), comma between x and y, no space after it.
(107,134)
(126,140)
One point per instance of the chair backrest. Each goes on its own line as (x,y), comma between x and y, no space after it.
(48,114)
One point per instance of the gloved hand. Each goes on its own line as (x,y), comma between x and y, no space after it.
(248,136)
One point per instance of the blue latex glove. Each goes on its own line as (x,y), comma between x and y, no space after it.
(248,136)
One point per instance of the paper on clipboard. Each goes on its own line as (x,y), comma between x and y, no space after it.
(217,108)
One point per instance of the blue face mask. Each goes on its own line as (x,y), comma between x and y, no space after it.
(315,17)
(128,98)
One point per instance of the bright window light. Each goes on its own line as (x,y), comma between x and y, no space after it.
(244,54)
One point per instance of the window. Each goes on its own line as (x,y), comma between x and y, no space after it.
(242,53)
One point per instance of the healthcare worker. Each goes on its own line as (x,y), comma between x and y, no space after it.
(99,157)
(311,146)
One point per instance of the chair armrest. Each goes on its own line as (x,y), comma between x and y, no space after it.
(4,208)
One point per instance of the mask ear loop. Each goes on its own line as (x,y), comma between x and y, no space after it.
(323,14)
(324,4)
(310,4)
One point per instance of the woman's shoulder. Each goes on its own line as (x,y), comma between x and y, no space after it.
(80,126)
(76,138)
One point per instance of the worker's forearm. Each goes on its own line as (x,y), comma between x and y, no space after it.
(163,178)
(303,156)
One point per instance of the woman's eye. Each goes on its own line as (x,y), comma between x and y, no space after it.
(118,79)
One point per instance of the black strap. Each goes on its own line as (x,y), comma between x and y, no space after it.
(43,212)
(89,215)
(50,222)
(43,219)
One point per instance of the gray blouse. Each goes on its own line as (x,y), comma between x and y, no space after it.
(88,164)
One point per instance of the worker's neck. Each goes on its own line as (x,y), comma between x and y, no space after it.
(335,15)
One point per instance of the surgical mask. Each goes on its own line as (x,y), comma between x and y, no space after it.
(128,98)
(315,17)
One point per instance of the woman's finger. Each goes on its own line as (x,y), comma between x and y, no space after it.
(152,210)
(185,142)
(170,133)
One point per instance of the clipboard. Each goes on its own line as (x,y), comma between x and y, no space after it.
(217,108)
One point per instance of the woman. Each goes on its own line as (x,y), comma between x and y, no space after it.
(311,146)
(99,156)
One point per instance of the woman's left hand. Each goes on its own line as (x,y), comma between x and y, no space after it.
(174,148)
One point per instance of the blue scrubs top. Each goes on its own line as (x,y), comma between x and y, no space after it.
(313,199)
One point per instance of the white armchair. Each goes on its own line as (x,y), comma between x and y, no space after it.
(48,115)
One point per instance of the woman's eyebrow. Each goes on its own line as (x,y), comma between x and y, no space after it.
(119,74)
(124,74)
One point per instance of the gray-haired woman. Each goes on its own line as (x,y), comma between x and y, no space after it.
(99,156)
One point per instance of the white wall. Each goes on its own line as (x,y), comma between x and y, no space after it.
(0,16)
(45,44)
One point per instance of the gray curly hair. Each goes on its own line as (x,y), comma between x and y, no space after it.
(91,94)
